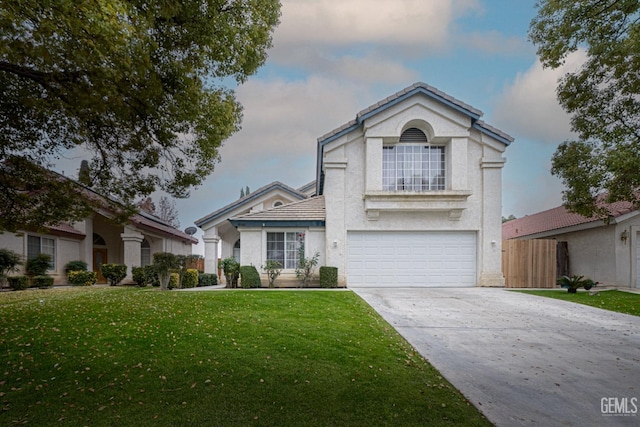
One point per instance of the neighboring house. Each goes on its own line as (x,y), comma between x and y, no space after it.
(605,251)
(407,194)
(97,240)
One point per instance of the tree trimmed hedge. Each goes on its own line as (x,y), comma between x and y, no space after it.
(114,273)
(328,277)
(249,277)
(42,281)
(83,278)
(18,283)
(207,279)
(190,279)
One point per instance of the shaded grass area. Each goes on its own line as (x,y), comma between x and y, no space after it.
(622,302)
(115,356)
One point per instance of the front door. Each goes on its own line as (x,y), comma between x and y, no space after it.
(99,258)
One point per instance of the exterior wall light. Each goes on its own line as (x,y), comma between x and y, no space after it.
(624,236)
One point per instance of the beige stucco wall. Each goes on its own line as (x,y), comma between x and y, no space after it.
(599,252)
(353,171)
(254,250)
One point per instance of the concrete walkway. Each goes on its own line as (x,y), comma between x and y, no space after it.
(523,360)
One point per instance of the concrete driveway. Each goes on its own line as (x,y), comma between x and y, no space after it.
(523,360)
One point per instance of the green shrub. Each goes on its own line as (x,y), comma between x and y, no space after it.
(75,266)
(174,280)
(190,279)
(231,269)
(42,281)
(9,262)
(151,275)
(249,277)
(138,275)
(39,265)
(114,273)
(18,283)
(207,279)
(83,278)
(328,277)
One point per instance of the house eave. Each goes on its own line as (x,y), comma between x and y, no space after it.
(275,224)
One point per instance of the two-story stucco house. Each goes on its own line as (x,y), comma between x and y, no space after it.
(407,194)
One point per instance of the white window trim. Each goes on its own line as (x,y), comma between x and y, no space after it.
(444,164)
(284,230)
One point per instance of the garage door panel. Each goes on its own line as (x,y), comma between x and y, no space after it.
(411,259)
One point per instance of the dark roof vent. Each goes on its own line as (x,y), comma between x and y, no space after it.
(413,135)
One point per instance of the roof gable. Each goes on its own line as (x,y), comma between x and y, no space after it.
(225,211)
(417,88)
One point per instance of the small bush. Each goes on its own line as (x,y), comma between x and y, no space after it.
(114,273)
(38,266)
(231,269)
(18,283)
(190,279)
(152,275)
(83,278)
(174,280)
(207,279)
(42,281)
(75,266)
(249,277)
(139,276)
(328,277)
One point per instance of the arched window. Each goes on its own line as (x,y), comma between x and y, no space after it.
(145,253)
(98,240)
(413,164)
(277,203)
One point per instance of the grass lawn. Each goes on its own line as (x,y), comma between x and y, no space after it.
(128,356)
(622,302)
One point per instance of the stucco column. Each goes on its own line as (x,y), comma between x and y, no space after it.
(132,250)
(211,254)
(491,232)
(373,164)
(335,228)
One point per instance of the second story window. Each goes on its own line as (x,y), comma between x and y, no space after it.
(413,164)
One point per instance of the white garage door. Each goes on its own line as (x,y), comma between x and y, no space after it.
(420,259)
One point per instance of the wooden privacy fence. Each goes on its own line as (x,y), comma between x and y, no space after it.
(529,263)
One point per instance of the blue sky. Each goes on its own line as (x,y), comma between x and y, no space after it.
(333,58)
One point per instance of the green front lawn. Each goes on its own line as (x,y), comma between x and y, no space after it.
(622,302)
(126,356)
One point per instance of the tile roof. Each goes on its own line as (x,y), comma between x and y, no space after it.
(257,193)
(311,209)
(557,219)
(65,229)
(151,222)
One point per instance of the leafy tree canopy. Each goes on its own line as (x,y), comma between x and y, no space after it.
(602,97)
(136,86)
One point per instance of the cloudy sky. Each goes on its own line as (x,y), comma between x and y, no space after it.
(333,58)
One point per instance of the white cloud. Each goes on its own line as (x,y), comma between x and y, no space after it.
(278,141)
(528,107)
(345,22)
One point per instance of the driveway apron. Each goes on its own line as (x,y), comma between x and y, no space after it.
(523,360)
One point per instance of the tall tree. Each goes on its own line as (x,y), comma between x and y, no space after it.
(168,211)
(602,97)
(136,86)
